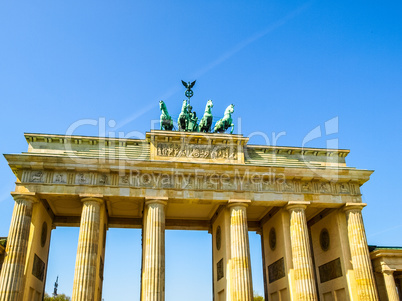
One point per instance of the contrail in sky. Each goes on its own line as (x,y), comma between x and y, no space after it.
(222,59)
(385,230)
(252,39)
(144,110)
(4,196)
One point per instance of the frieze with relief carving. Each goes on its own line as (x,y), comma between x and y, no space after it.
(206,181)
(37,177)
(82,178)
(103,179)
(177,150)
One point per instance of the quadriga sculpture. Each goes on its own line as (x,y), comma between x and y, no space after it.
(165,120)
(223,124)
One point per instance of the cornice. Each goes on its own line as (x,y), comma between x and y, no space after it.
(78,139)
(383,252)
(305,151)
(168,136)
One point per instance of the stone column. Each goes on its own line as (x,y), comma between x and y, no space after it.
(390,285)
(87,251)
(305,283)
(153,250)
(398,282)
(366,288)
(12,273)
(241,286)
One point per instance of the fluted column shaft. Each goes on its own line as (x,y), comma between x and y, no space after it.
(305,284)
(87,251)
(390,285)
(366,288)
(241,286)
(12,273)
(153,271)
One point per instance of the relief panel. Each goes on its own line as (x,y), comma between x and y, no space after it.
(38,268)
(276,270)
(196,151)
(330,270)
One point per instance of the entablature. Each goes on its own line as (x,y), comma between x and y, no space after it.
(271,176)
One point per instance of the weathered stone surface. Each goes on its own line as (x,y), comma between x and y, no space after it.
(12,272)
(363,271)
(390,285)
(301,253)
(241,286)
(87,253)
(153,270)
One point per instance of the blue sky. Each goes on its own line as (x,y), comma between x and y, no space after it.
(288,66)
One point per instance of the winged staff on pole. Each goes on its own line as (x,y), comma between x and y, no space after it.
(189,93)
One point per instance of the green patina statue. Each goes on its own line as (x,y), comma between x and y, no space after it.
(165,120)
(223,124)
(206,121)
(184,117)
(192,121)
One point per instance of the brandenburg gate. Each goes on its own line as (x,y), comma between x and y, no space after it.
(304,202)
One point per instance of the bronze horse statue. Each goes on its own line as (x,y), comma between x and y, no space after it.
(184,117)
(223,124)
(206,121)
(165,120)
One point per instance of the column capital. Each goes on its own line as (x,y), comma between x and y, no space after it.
(388,271)
(26,196)
(156,200)
(89,197)
(238,202)
(354,207)
(294,205)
